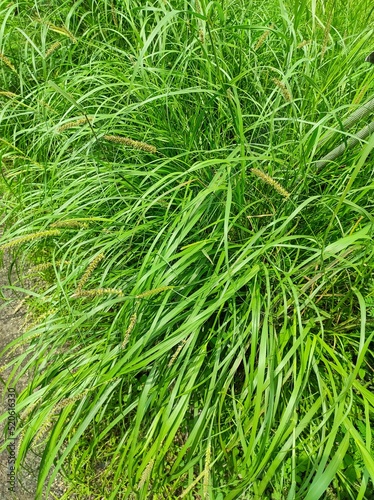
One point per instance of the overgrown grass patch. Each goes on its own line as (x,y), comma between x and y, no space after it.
(207,316)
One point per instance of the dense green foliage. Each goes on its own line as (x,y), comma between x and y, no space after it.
(206,324)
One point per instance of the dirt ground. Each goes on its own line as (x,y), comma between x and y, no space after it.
(12,316)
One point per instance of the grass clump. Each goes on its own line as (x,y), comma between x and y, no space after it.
(208,328)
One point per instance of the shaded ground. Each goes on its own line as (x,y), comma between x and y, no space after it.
(12,316)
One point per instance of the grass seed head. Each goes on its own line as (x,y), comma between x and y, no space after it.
(58,29)
(302,44)
(96,292)
(52,48)
(129,330)
(8,94)
(176,354)
(192,485)
(43,430)
(75,123)
(326,33)
(30,237)
(287,96)
(269,180)
(73,223)
(32,321)
(114,14)
(90,269)
(263,37)
(7,62)
(155,291)
(361,94)
(28,410)
(68,401)
(146,473)
(46,426)
(130,142)
(207,473)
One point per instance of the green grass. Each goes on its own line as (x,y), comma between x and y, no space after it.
(206,325)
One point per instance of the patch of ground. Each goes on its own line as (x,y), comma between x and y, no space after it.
(12,317)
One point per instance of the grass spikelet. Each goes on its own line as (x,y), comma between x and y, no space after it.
(129,330)
(96,292)
(130,142)
(8,94)
(30,237)
(302,44)
(43,430)
(38,334)
(192,485)
(61,30)
(61,405)
(39,319)
(26,412)
(269,180)
(206,473)
(32,321)
(201,36)
(68,401)
(148,293)
(176,354)
(326,33)
(361,94)
(46,265)
(73,223)
(263,37)
(146,473)
(75,123)
(7,365)
(7,62)
(283,89)
(52,49)
(114,14)
(90,269)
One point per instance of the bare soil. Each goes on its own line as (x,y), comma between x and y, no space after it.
(12,318)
